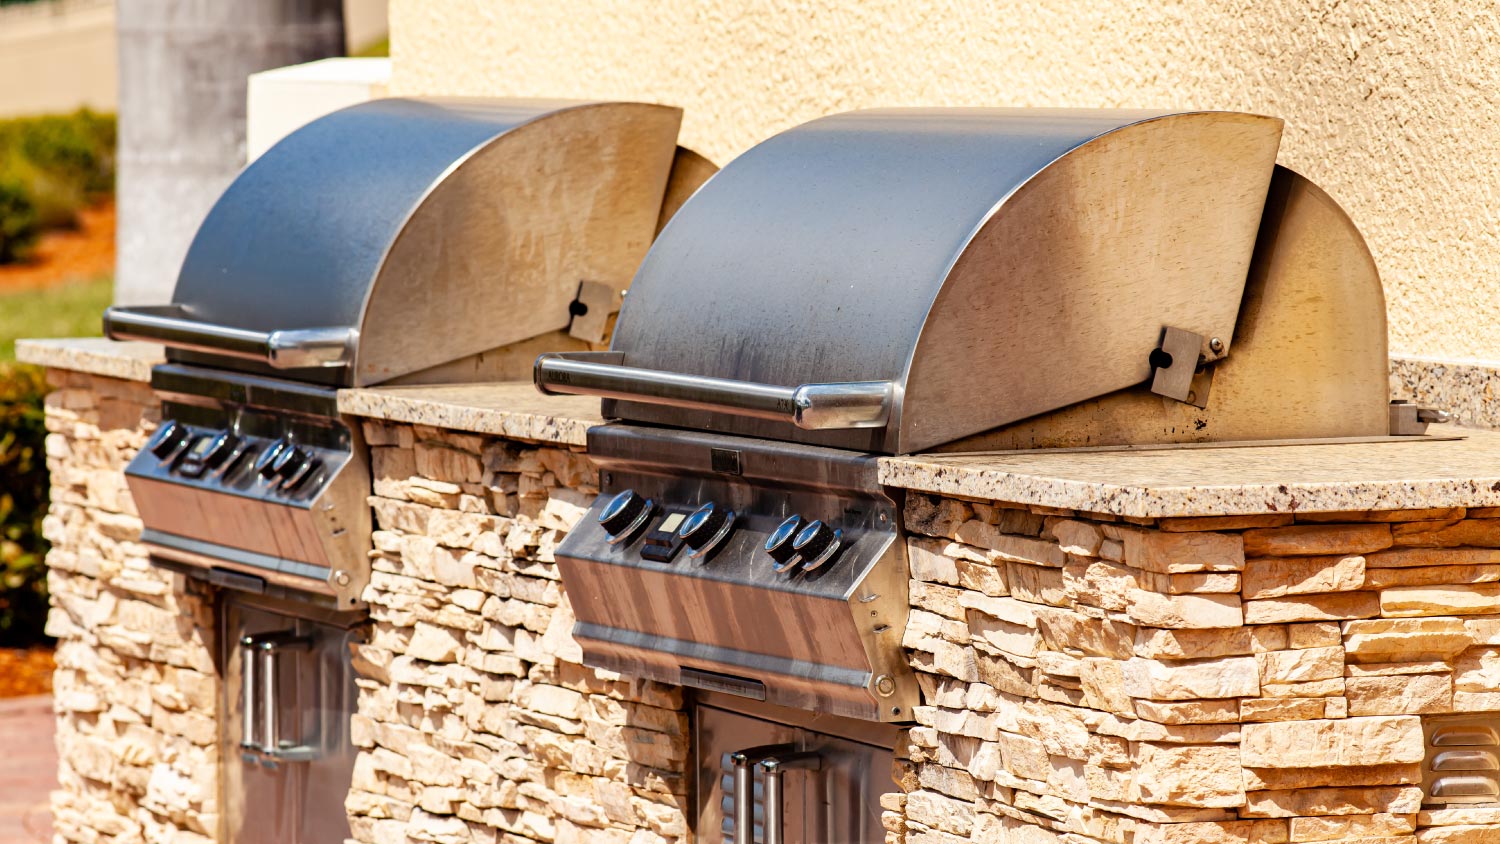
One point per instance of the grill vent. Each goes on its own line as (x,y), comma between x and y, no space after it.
(1463,759)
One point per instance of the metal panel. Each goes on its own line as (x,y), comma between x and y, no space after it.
(1022,259)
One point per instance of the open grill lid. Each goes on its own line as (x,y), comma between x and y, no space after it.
(399,235)
(894,280)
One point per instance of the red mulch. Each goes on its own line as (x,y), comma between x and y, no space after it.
(25,672)
(84,252)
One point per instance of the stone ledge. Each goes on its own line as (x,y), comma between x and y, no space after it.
(93,356)
(514,410)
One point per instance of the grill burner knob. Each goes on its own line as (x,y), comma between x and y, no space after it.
(779,543)
(266,465)
(289,462)
(706,528)
(816,543)
(168,439)
(223,444)
(624,513)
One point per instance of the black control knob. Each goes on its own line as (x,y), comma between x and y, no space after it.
(297,478)
(706,528)
(265,466)
(219,448)
(168,438)
(815,544)
(289,462)
(624,513)
(779,543)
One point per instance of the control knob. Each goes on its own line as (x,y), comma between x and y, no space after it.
(624,514)
(219,448)
(289,462)
(706,528)
(816,544)
(266,465)
(779,543)
(168,438)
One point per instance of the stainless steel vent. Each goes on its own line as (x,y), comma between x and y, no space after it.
(1462,765)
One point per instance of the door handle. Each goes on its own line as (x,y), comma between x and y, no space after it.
(772,768)
(260,663)
(744,762)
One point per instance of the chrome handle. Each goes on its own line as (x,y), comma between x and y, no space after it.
(772,768)
(289,349)
(260,656)
(815,407)
(744,762)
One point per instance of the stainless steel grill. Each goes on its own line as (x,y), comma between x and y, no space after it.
(395,241)
(886,282)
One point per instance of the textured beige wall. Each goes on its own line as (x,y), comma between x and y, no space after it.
(1390,106)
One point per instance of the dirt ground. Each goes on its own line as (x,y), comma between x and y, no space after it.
(61,255)
(25,672)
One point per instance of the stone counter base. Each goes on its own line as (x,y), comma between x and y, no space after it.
(136,689)
(1247,679)
(476,720)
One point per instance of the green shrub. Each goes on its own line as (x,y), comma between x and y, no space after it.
(23,503)
(19,221)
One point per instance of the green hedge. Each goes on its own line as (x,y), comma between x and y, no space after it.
(23,503)
(51,167)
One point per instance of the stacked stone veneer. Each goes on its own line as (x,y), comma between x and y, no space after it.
(477,721)
(1256,679)
(136,686)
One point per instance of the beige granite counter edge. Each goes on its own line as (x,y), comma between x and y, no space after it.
(93,356)
(416,410)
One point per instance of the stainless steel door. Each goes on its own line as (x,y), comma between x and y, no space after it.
(830,786)
(288,696)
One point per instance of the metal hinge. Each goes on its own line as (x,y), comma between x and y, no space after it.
(591,309)
(1182,365)
(1411,420)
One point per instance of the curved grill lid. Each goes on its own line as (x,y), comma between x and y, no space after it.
(968,268)
(399,235)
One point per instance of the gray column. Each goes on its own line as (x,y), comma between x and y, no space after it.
(183,65)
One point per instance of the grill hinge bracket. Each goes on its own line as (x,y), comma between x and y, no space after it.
(1182,365)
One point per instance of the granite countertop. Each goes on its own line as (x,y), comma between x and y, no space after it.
(1433,471)
(94,356)
(512,409)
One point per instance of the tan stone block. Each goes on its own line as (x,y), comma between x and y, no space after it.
(1313,744)
(1286,779)
(1477,670)
(1381,825)
(1223,677)
(1273,577)
(1099,584)
(1303,540)
(929,563)
(1065,629)
(1410,694)
(998,672)
(1409,601)
(440,462)
(1405,640)
(1037,584)
(1197,523)
(1196,583)
(1282,709)
(1212,832)
(1075,537)
(1177,553)
(1484,631)
(1131,729)
(1316,634)
(1459,815)
(1185,611)
(1475,834)
(1019,549)
(1311,688)
(1301,666)
(1330,607)
(986,578)
(1188,775)
(1430,576)
(1156,643)
(1103,681)
(1476,701)
(1332,801)
(1008,610)
(936,598)
(1447,533)
(1416,557)
(1024,757)
(1391,669)
(1189,712)
(1412,515)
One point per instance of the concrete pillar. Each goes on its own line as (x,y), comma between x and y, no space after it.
(183,66)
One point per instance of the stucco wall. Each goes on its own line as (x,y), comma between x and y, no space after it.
(1389,106)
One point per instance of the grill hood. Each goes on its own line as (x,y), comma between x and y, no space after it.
(396,236)
(903,280)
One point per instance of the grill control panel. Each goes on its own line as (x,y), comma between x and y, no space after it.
(779,570)
(255,484)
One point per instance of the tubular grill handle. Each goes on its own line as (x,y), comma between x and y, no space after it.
(290,349)
(815,407)
(744,762)
(772,769)
(260,660)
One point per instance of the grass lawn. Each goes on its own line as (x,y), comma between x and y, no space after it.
(71,309)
